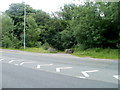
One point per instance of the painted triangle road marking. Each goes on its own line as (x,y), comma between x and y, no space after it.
(85,73)
(58,69)
(1,59)
(39,66)
(11,61)
(117,76)
(24,63)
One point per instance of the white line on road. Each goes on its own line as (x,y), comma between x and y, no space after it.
(24,63)
(117,76)
(11,61)
(81,77)
(1,59)
(39,66)
(58,69)
(85,72)
(16,64)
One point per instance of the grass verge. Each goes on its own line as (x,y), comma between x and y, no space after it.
(98,53)
(38,50)
(94,53)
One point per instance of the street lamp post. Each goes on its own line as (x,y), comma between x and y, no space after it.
(24,25)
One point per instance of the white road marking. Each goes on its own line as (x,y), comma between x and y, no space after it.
(85,72)
(58,69)
(81,77)
(39,66)
(16,64)
(11,61)
(1,59)
(24,63)
(117,76)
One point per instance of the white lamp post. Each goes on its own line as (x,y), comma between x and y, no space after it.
(24,25)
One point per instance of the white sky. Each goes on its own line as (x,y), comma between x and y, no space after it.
(45,5)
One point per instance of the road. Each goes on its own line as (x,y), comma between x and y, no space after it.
(37,70)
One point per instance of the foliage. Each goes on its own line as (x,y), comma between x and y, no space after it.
(32,32)
(98,53)
(92,25)
(7,31)
(93,30)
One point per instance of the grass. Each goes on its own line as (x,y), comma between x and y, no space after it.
(94,53)
(38,50)
(98,53)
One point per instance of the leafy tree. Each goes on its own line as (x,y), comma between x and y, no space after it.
(91,28)
(88,26)
(109,24)
(16,12)
(7,24)
(7,30)
(32,32)
(41,18)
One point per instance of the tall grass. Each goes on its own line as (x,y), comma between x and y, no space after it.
(98,53)
(39,50)
(94,52)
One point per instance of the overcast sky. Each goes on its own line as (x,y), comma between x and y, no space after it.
(46,5)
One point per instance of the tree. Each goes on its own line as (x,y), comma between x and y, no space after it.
(94,23)
(41,18)
(7,30)
(32,32)
(90,25)
(16,12)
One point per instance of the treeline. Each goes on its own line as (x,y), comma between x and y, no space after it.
(92,25)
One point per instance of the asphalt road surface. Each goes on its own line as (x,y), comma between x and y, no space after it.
(36,70)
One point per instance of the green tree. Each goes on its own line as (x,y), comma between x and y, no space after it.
(16,12)
(32,32)
(7,30)
(41,18)
(94,25)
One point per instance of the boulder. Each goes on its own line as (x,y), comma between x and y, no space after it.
(68,51)
(52,49)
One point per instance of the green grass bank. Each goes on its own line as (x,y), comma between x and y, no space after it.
(94,53)
(98,53)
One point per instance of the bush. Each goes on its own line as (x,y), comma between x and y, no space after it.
(46,46)
(6,42)
(80,47)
